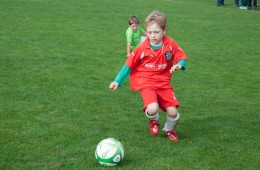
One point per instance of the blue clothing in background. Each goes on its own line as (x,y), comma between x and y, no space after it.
(249,3)
(220,2)
(236,2)
(243,2)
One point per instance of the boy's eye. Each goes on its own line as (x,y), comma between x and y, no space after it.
(155,32)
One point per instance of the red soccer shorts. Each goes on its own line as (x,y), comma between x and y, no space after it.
(164,97)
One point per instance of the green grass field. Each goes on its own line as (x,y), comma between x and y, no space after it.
(58,57)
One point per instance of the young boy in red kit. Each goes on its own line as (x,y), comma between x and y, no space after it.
(151,66)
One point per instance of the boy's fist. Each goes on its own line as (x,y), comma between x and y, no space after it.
(175,67)
(113,86)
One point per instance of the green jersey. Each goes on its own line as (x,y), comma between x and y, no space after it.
(133,37)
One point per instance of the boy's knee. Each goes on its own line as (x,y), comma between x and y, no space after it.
(152,109)
(172,112)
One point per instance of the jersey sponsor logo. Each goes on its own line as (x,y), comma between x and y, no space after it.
(168,55)
(155,66)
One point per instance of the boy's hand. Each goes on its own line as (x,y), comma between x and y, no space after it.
(175,67)
(113,86)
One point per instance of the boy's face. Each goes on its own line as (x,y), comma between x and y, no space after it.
(155,34)
(134,27)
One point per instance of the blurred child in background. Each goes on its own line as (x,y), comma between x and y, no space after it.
(133,34)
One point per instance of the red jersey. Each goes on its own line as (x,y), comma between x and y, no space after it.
(150,68)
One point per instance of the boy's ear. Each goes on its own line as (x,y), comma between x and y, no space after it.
(164,31)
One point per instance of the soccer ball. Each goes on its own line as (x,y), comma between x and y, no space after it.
(109,152)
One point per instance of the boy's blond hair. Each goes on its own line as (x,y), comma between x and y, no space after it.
(156,17)
(133,20)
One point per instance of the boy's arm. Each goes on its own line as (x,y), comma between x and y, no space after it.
(120,78)
(183,64)
(122,75)
(129,35)
(128,48)
(143,32)
(180,65)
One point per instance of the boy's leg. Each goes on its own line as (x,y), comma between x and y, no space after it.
(172,119)
(168,103)
(171,122)
(153,116)
(151,108)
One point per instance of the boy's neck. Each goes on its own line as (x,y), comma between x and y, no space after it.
(155,47)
